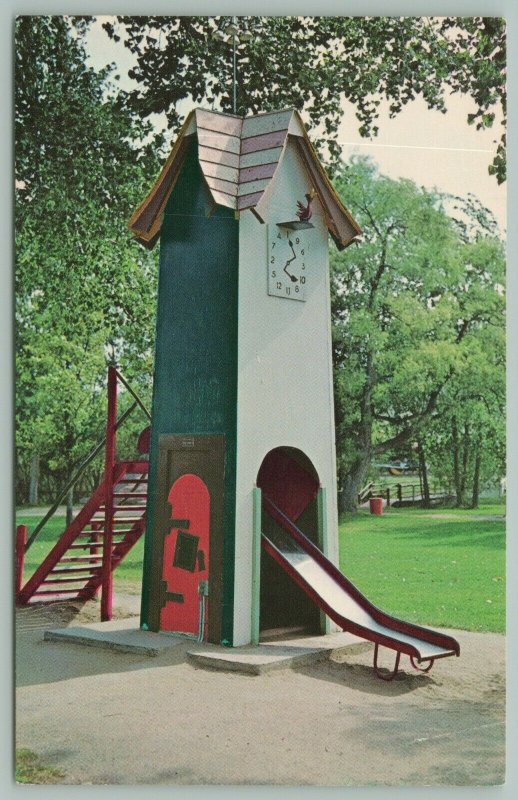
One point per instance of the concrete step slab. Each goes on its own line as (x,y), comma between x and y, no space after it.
(261,658)
(123,635)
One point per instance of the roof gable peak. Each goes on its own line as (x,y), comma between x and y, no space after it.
(238,157)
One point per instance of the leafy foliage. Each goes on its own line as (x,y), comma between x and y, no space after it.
(313,63)
(84,291)
(415,309)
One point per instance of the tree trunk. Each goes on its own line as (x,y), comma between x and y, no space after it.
(34,479)
(351,483)
(476,480)
(70,506)
(457,477)
(465,460)
(423,471)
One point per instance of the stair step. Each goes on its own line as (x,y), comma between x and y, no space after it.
(124,508)
(99,543)
(55,592)
(81,579)
(87,544)
(80,559)
(73,569)
(87,568)
(125,520)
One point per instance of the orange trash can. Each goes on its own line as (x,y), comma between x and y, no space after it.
(376,505)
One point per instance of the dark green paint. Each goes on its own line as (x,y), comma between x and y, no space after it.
(195,377)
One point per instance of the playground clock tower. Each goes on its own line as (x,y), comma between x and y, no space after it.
(243,391)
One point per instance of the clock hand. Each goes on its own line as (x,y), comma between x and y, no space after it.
(293,278)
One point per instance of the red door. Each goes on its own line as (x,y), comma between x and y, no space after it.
(185,564)
(188,513)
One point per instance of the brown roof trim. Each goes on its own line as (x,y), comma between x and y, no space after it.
(160,192)
(146,221)
(340,224)
(354,225)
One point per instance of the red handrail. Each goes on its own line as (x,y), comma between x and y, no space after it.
(109,464)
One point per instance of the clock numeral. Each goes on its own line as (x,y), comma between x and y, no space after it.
(279,285)
(273,244)
(288,289)
(272,260)
(279,236)
(297,289)
(274,274)
(297,240)
(303,279)
(302,252)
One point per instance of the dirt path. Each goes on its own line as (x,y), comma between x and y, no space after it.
(113,718)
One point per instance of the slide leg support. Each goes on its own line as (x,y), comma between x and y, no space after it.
(390,676)
(418,667)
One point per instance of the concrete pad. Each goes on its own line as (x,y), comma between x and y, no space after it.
(123,635)
(258,659)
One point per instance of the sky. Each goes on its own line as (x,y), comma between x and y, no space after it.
(426,146)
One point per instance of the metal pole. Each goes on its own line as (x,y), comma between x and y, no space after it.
(133,394)
(256,566)
(21,538)
(234,81)
(107,575)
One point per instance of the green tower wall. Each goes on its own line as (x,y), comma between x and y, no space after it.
(195,374)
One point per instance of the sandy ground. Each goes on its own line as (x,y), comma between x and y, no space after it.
(112,718)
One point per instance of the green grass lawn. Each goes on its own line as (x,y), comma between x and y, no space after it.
(443,567)
(31,769)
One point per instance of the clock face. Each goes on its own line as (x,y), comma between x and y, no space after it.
(288,262)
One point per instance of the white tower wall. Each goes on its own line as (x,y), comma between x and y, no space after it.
(285,387)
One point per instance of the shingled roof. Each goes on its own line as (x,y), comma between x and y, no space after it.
(238,157)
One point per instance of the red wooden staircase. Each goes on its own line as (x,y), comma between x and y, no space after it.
(83,559)
(75,566)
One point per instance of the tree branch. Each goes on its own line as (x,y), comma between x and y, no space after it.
(403,436)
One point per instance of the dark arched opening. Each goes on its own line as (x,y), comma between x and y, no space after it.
(288,477)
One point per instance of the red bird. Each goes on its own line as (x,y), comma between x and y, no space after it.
(305,213)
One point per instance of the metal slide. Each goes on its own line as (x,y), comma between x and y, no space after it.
(342,601)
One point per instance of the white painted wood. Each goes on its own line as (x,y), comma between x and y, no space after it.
(226,187)
(214,121)
(266,123)
(191,125)
(219,171)
(296,127)
(218,156)
(249,200)
(227,200)
(220,141)
(285,387)
(253,186)
(270,156)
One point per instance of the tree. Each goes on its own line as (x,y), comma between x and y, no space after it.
(465,438)
(84,291)
(313,63)
(408,305)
